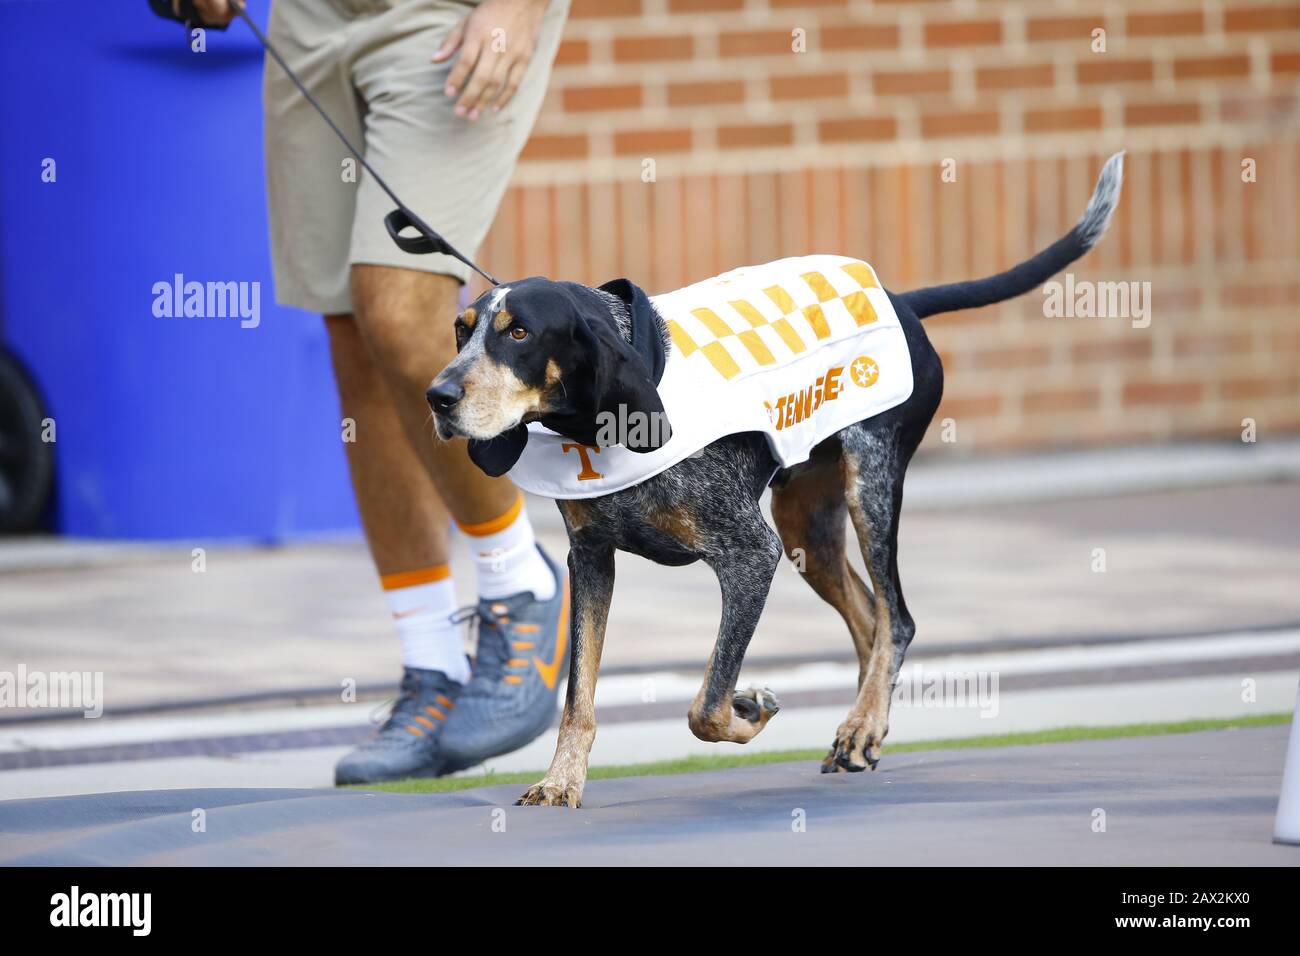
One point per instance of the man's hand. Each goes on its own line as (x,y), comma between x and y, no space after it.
(215,13)
(496,42)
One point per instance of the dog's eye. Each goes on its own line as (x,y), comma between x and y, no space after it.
(462,334)
(518,333)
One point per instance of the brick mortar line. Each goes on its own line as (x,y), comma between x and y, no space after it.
(760,17)
(891,60)
(1112,97)
(887,154)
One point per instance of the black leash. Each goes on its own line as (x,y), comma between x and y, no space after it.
(401,217)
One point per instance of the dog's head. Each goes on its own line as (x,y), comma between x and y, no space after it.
(569,356)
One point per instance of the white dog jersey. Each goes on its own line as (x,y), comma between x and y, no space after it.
(796,349)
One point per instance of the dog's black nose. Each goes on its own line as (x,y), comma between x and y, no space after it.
(443,396)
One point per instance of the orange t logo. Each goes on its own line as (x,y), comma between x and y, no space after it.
(587,473)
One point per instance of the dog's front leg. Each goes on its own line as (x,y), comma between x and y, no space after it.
(744,570)
(591,579)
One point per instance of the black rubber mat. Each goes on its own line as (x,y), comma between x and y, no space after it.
(1204,798)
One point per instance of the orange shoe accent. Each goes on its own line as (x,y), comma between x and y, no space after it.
(444,701)
(514,679)
(435,712)
(523,645)
(407,579)
(499,523)
(424,721)
(516,662)
(528,628)
(415,730)
(551,672)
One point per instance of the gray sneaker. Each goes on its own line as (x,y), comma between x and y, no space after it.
(522,659)
(407,745)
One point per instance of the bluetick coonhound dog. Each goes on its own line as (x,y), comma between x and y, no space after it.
(563,353)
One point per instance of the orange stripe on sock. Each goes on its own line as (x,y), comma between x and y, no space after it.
(408,579)
(499,523)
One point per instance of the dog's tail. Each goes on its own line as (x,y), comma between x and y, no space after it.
(1035,271)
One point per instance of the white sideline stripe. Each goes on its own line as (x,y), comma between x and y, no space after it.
(666,687)
(629,689)
(1020,711)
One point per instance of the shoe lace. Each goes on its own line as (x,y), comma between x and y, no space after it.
(491,655)
(467,615)
(397,712)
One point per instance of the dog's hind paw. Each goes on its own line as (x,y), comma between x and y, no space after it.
(856,748)
(758,705)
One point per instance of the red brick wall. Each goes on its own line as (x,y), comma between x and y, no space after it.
(763,152)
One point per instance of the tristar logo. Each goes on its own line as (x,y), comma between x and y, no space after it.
(799,406)
(864,371)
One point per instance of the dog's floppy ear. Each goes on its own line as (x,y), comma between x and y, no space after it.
(496,456)
(634,404)
(623,374)
(646,339)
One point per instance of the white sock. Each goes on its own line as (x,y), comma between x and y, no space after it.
(423,603)
(506,556)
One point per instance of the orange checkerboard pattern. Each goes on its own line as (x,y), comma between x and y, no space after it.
(743,335)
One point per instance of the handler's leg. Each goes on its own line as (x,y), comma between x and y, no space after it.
(453,173)
(406,527)
(406,317)
(405,521)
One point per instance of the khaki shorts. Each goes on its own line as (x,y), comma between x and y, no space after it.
(368,62)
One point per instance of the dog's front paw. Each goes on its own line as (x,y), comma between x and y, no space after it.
(856,747)
(552,794)
(758,705)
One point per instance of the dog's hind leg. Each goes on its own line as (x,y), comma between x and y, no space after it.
(591,582)
(812,518)
(875,459)
(744,557)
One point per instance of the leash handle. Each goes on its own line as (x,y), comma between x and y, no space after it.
(400,218)
(426,242)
